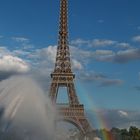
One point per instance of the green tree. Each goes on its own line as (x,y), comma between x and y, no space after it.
(134,133)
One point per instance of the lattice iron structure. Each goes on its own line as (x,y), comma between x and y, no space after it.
(63,76)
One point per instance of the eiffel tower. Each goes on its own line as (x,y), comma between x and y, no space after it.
(63,76)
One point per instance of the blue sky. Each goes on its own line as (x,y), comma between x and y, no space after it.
(104,42)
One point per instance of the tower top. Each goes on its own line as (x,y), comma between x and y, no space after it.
(63,64)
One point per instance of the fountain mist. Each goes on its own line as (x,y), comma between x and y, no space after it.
(25,112)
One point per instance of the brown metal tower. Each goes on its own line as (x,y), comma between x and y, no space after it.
(63,76)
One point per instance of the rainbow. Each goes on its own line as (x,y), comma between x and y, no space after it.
(100,121)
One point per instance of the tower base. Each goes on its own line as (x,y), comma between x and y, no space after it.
(75,115)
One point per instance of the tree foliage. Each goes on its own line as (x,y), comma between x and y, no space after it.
(133,133)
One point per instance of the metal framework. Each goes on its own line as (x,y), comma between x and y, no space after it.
(63,76)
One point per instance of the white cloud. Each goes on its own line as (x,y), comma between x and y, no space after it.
(4,51)
(100,21)
(91,76)
(20,39)
(102,42)
(104,52)
(28,46)
(101,79)
(138,27)
(110,82)
(104,55)
(121,56)
(94,42)
(10,63)
(80,53)
(79,42)
(123,113)
(129,54)
(123,45)
(48,53)
(20,53)
(136,38)
(76,64)
(137,88)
